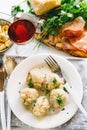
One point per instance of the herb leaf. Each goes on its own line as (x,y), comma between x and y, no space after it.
(15,10)
(67,12)
(59,99)
(30,84)
(54,80)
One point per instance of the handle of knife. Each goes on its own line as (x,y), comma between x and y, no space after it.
(2,108)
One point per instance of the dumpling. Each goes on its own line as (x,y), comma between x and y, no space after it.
(41,107)
(58,98)
(28,95)
(42,77)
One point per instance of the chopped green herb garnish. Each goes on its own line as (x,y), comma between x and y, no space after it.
(19,82)
(63,109)
(54,80)
(31,84)
(59,99)
(56,86)
(65,89)
(34,102)
(47,85)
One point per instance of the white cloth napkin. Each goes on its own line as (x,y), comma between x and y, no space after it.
(32,48)
(78,122)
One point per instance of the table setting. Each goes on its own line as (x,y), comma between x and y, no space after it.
(20,58)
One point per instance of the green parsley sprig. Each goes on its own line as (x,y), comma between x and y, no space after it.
(15,10)
(67,12)
(18,8)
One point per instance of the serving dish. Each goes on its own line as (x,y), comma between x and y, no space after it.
(59,29)
(5,42)
(64,27)
(18,77)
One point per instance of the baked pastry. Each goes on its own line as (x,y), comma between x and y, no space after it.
(42,6)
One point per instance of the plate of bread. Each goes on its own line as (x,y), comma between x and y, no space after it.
(64,26)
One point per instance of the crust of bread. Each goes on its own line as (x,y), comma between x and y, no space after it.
(76,53)
(56,44)
(42,6)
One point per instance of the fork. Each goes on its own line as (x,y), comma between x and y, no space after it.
(54,66)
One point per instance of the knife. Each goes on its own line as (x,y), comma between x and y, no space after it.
(2,105)
(9,64)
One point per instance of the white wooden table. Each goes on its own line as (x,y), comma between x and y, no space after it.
(27,50)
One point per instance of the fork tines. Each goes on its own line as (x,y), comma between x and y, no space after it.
(54,66)
(51,62)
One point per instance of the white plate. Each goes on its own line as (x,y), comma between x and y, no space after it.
(19,75)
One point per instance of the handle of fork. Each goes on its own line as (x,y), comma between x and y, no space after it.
(76,99)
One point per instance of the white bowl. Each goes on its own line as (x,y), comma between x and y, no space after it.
(2,23)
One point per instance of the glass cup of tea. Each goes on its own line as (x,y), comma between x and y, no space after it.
(21,31)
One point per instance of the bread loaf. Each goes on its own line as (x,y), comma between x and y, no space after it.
(42,6)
